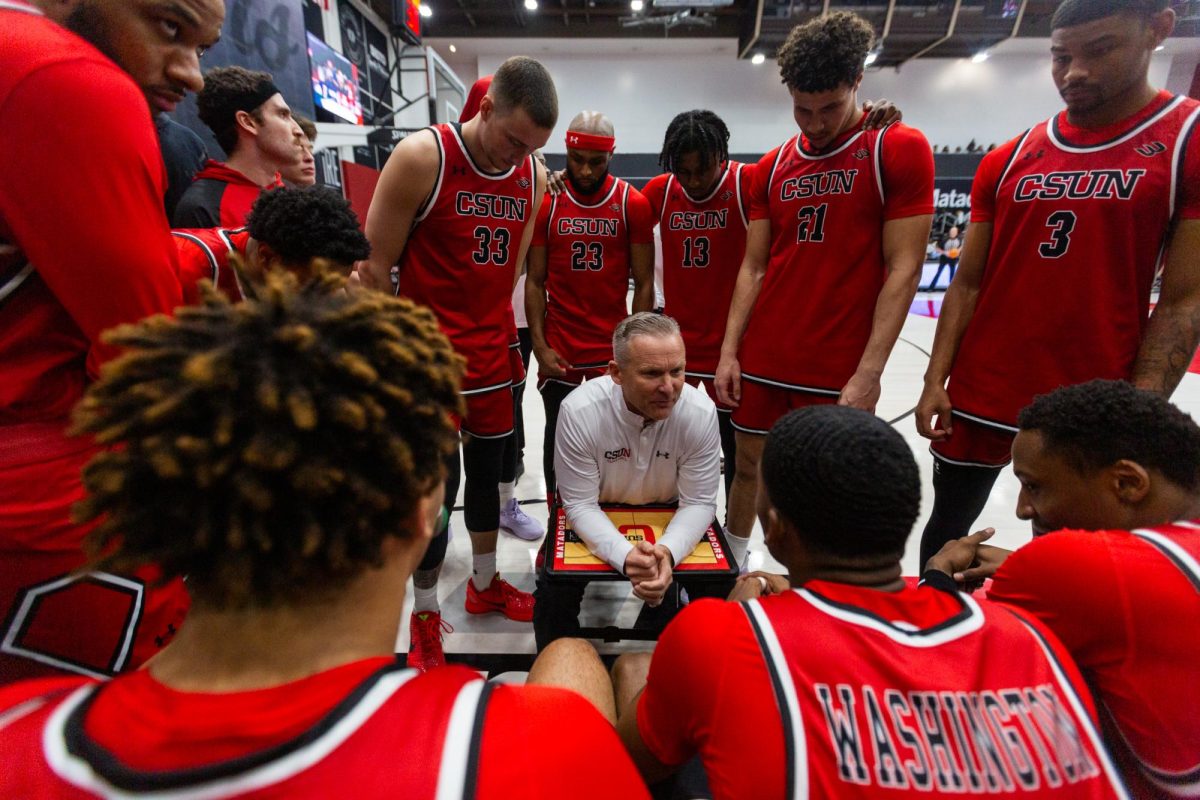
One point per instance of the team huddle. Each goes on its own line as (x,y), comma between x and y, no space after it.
(226,448)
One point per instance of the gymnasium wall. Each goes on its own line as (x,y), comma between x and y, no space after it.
(952,101)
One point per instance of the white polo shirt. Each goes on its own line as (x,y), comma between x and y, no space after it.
(605,453)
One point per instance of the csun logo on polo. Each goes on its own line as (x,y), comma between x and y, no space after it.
(619,454)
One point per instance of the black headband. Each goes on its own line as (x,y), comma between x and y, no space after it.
(261,94)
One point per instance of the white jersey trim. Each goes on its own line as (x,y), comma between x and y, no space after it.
(1153,118)
(877,158)
(915,638)
(15,281)
(491,176)
(79,773)
(431,200)
(29,604)
(831,153)
(737,190)
(456,750)
(616,184)
(789,702)
(15,7)
(1177,157)
(208,253)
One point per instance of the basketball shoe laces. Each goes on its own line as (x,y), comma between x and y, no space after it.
(428,632)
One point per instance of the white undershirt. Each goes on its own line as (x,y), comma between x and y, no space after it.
(605,453)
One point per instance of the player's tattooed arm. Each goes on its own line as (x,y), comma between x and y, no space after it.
(880,113)
(1173,332)
(405,184)
(957,310)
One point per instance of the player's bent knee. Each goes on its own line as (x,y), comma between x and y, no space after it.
(631,668)
(565,654)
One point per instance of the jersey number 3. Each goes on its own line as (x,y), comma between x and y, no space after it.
(1060,223)
(491,246)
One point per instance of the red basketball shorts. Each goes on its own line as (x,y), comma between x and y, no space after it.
(974,444)
(762,405)
(56,621)
(708,384)
(489,412)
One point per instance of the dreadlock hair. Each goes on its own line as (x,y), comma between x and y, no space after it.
(845,479)
(1096,424)
(225,92)
(826,52)
(265,449)
(303,224)
(698,131)
(1077,12)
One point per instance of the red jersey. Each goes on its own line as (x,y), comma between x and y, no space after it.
(367,729)
(204,254)
(815,310)
(1127,607)
(461,256)
(703,242)
(67,270)
(841,691)
(1080,219)
(219,196)
(587,243)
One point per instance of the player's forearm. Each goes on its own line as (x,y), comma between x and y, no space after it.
(1168,347)
(643,296)
(891,309)
(535,311)
(957,310)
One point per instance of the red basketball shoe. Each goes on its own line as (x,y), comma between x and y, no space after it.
(425,631)
(501,596)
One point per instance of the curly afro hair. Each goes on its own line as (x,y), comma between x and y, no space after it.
(826,53)
(1095,424)
(266,449)
(308,223)
(845,479)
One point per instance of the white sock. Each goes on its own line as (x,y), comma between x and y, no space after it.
(425,599)
(739,546)
(507,490)
(484,568)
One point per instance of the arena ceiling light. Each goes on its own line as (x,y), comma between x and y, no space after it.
(758,58)
(870,59)
(531,5)
(637,5)
(979,57)
(426,10)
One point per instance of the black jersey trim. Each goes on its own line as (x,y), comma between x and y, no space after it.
(781,702)
(793,387)
(1063,143)
(965,614)
(1167,548)
(208,253)
(991,423)
(427,204)
(13,283)
(616,185)
(456,128)
(110,768)
(1181,146)
(475,748)
(877,157)
(1012,158)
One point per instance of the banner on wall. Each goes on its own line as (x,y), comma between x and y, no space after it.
(329,169)
(266,35)
(366,47)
